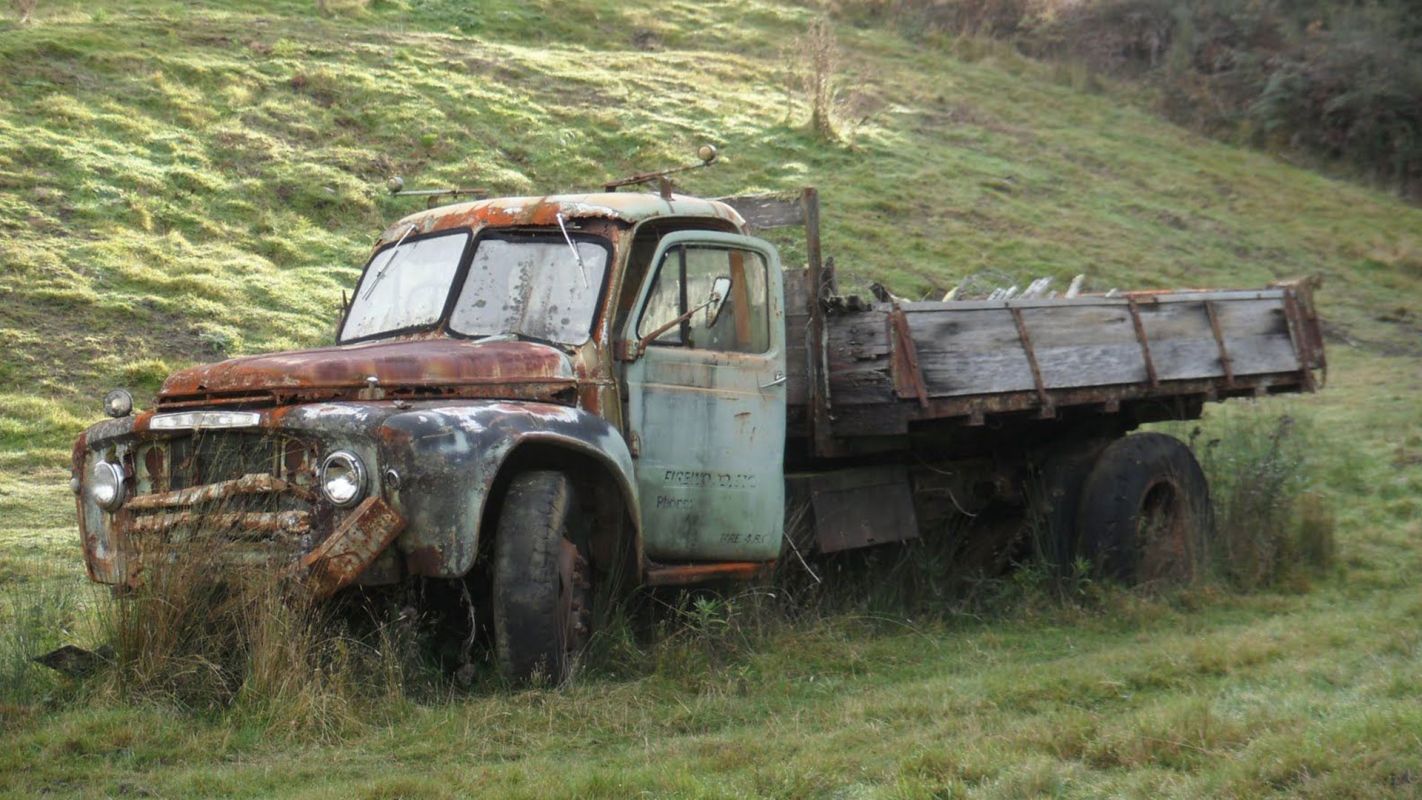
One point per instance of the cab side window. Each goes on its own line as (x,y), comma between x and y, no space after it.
(684,280)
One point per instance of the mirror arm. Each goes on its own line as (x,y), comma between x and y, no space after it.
(641,346)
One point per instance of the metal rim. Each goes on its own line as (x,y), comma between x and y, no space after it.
(575,613)
(353,462)
(1163,534)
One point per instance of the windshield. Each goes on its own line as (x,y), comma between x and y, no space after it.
(531,286)
(404,286)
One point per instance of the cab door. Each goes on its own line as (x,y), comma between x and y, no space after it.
(706,399)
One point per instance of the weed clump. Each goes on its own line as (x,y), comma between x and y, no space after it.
(24,9)
(1273,530)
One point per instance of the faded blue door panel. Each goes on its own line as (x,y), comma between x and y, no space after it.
(709,419)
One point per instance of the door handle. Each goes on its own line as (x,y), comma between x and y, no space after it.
(779,379)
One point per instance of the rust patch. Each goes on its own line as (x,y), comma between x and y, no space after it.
(345,554)
(425,367)
(234,525)
(425,561)
(687,574)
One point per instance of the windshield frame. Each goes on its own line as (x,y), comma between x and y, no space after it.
(461,266)
(537,236)
(461,274)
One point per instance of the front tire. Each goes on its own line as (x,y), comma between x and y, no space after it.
(541,587)
(1145,513)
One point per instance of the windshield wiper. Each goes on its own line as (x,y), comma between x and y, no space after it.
(393,255)
(576,255)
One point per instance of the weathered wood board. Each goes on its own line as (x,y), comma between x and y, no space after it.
(1147,341)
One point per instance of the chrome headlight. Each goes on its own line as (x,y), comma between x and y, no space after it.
(106,485)
(343,478)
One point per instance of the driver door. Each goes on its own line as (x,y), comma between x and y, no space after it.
(706,400)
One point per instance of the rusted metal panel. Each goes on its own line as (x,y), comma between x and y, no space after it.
(421,368)
(862,507)
(449,455)
(359,540)
(628,207)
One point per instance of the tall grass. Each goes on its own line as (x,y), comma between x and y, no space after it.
(37,616)
(206,635)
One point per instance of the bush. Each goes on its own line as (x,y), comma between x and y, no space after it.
(1272,529)
(1339,81)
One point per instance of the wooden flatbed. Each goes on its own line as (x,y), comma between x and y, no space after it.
(861,371)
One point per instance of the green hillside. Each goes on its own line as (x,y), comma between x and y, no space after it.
(180,183)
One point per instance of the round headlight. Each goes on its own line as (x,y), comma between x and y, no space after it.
(342,478)
(106,485)
(118,403)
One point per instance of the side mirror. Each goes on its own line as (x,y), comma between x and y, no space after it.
(720,288)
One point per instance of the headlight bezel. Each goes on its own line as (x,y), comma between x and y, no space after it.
(354,472)
(107,485)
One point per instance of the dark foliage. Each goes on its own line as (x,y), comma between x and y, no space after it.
(1339,81)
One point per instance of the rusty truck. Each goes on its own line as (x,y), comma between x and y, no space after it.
(534,396)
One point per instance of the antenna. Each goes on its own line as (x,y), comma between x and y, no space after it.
(396,186)
(706,152)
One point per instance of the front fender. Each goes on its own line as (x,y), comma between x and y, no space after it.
(447,457)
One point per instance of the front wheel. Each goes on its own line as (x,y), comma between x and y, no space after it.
(1145,514)
(541,597)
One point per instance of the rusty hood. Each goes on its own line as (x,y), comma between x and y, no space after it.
(416,368)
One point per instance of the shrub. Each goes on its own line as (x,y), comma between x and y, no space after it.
(1339,81)
(1271,528)
(812,69)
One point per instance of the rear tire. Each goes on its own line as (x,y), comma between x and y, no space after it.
(1145,515)
(541,586)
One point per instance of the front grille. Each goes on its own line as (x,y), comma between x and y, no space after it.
(206,457)
(251,487)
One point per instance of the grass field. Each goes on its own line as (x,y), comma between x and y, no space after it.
(179,183)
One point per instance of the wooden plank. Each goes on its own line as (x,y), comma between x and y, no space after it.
(970,349)
(761,211)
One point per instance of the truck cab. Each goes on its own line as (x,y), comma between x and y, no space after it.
(535,393)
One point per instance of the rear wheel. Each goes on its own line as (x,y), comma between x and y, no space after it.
(1145,513)
(541,586)
(1056,494)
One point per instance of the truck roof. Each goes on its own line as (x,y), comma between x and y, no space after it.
(631,207)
